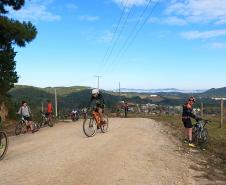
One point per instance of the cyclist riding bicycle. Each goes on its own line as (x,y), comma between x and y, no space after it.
(25,112)
(74,114)
(186,119)
(99,101)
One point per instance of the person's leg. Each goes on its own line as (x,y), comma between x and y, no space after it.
(31,125)
(0,139)
(190,134)
(100,111)
(186,138)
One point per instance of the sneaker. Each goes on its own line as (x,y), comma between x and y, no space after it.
(186,141)
(191,145)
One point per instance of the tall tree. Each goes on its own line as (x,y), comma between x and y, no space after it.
(12,32)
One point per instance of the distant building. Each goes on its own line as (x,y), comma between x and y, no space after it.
(153,95)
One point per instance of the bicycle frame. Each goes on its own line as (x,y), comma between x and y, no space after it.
(96,116)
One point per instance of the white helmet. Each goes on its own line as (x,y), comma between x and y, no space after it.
(95,91)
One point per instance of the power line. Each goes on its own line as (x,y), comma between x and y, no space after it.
(134,28)
(118,37)
(129,41)
(115,31)
(144,22)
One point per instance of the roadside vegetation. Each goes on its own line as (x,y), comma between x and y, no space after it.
(216,150)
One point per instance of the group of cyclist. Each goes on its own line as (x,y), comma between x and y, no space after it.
(25,113)
(97,97)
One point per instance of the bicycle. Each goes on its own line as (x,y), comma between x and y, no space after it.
(93,123)
(3,144)
(22,127)
(46,119)
(200,133)
(74,116)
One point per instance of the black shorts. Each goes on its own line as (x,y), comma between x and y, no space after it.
(48,114)
(27,118)
(187,123)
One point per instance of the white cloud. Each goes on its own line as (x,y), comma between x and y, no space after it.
(199,11)
(219,45)
(169,20)
(71,6)
(175,21)
(106,37)
(191,35)
(88,18)
(129,3)
(35,11)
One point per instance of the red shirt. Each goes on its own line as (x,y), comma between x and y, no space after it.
(49,108)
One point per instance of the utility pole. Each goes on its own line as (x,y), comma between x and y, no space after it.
(56,103)
(201,109)
(98,81)
(42,108)
(222,110)
(119,91)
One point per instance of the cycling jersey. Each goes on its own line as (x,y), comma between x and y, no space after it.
(49,108)
(99,100)
(188,112)
(25,111)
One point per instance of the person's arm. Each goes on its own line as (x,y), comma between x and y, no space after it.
(20,111)
(192,115)
(102,99)
(29,110)
(90,101)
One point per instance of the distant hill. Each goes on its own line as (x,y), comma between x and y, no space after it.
(167,90)
(68,97)
(63,91)
(219,92)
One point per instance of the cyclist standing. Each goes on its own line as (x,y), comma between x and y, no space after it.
(49,110)
(186,118)
(99,100)
(25,112)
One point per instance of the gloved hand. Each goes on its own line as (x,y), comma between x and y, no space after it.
(198,119)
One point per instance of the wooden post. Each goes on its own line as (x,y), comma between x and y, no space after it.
(201,109)
(222,113)
(56,108)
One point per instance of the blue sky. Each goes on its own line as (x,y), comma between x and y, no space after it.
(157,44)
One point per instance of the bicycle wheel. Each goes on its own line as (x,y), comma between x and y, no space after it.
(104,127)
(50,122)
(18,128)
(204,138)
(36,126)
(3,144)
(89,127)
(194,135)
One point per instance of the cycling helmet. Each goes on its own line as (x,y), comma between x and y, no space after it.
(95,91)
(192,99)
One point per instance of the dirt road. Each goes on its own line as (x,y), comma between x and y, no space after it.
(133,152)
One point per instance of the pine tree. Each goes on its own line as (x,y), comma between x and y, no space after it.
(12,32)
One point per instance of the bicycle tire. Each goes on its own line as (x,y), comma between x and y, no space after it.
(50,122)
(3,136)
(203,141)
(90,123)
(36,126)
(104,127)
(18,128)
